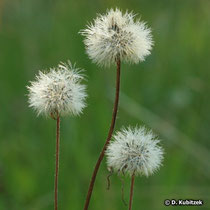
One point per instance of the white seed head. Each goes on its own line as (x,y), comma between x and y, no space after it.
(134,150)
(58,91)
(117,35)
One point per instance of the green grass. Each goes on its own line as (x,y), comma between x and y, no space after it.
(169,92)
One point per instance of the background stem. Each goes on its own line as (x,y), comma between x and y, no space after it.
(111,129)
(131,191)
(57,159)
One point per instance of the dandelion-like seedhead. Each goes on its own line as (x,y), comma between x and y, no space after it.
(116,35)
(134,150)
(58,91)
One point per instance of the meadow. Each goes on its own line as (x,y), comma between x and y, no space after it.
(168,92)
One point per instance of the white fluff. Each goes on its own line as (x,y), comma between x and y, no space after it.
(58,90)
(116,35)
(134,150)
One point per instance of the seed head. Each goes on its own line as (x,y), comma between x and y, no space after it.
(134,150)
(116,35)
(58,91)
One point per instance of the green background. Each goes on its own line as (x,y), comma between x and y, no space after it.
(169,93)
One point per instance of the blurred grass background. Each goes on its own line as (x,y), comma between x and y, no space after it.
(169,92)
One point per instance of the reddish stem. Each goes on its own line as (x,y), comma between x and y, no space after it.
(111,129)
(57,159)
(131,191)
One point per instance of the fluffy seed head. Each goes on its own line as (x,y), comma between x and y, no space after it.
(134,150)
(58,91)
(117,35)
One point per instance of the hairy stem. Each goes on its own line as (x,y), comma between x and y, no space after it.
(131,191)
(57,160)
(111,129)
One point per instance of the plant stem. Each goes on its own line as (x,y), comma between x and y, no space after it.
(131,191)
(57,159)
(111,129)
